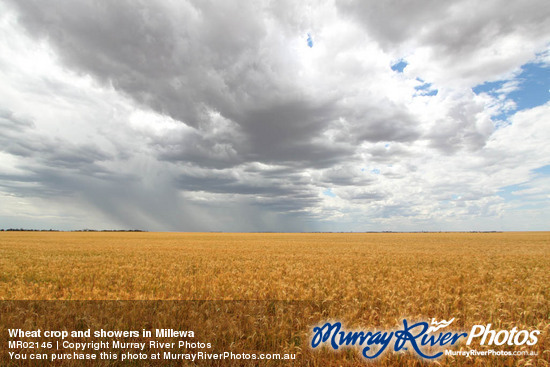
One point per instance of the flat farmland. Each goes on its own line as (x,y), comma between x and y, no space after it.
(370,280)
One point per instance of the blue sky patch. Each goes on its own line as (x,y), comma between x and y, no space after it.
(400,66)
(542,171)
(533,88)
(425,88)
(328,192)
(507,192)
(309,40)
(488,87)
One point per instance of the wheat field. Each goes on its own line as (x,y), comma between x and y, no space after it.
(266,291)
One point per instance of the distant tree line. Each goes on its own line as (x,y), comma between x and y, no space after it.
(28,230)
(78,230)
(108,230)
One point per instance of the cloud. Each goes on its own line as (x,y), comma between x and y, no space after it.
(9,121)
(460,43)
(218,116)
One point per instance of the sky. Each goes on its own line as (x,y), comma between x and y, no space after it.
(290,116)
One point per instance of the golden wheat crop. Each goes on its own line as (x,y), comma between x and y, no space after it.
(267,290)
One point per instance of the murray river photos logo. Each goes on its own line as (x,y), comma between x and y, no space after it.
(428,341)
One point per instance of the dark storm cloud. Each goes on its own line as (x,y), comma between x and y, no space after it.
(42,182)
(374,121)
(254,185)
(56,153)
(20,139)
(289,133)
(218,115)
(178,59)
(393,22)
(191,59)
(124,200)
(202,147)
(9,121)
(454,27)
(227,185)
(288,204)
(211,68)
(368,196)
(272,190)
(375,126)
(345,176)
